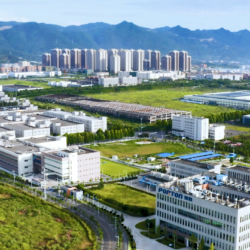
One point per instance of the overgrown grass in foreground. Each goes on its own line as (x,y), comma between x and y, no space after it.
(115,170)
(126,199)
(27,222)
(164,97)
(130,148)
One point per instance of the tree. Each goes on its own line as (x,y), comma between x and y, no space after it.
(202,244)
(175,236)
(211,246)
(193,240)
(231,160)
(158,230)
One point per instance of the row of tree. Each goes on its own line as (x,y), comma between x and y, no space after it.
(227,116)
(8,104)
(87,137)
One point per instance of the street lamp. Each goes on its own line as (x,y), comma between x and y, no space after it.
(14,174)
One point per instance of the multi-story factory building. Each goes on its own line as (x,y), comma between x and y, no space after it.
(220,214)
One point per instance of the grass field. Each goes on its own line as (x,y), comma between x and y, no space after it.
(130,148)
(126,199)
(114,169)
(28,223)
(239,128)
(164,97)
(24,82)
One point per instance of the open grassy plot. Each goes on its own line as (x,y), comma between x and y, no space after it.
(41,83)
(126,199)
(239,128)
(130,148)
(164,97)
(29,223)
(115,169)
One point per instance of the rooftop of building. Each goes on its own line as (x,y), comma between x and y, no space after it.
(240,168)
(18,147)
(17,86)
(64,123)
(241,96)
(5,129)
(43,139)
(21,126)
(194,164)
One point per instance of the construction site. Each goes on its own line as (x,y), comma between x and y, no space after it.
(127,110)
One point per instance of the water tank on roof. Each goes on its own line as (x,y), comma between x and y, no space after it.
(159,175)
(152,173)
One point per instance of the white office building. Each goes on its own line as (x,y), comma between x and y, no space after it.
(109,81)
(91,124)
(126,59)
(159,74)
(217,213)
(129,80)
(73,164)
(60,127)
(195,128)
(101,63)
(115,64)
(216,132)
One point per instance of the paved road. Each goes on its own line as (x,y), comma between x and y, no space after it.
(109,239)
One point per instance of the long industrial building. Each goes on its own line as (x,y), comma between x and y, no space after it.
(237,99)
(131,111)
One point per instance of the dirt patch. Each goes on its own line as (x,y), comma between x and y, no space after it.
(58,220)
(144,142)
(85,245)
(4,196)
(42,243)
(68,234)
(21,212)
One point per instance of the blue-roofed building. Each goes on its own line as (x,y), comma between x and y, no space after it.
(165,154)
(183,168)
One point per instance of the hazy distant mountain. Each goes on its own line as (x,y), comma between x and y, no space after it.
(30,40)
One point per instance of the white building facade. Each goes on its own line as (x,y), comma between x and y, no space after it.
(216,132)
(115,64)
(195,128)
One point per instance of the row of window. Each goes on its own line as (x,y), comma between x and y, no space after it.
(192,225)
(218,244)
(196,208)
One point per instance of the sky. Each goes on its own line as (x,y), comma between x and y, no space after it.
(233,15)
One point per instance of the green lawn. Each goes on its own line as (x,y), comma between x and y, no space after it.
(130,148)
(24,82)
(239,128)
(28,223)
(164,97)
(126,199)
(115,170)
(143,225)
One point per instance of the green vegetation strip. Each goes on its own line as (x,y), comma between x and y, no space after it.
(238,128)
(38,83)
(115,170)
(164,97)
(27,222)
(129,149)
(126,199)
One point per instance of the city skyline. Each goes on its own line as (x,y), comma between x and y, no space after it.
(193,15)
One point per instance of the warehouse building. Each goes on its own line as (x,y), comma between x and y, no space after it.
(237,99)
(217,213)
(238,174)
(128,110)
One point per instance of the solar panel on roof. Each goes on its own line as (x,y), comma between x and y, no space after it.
(186,157)
(205,157)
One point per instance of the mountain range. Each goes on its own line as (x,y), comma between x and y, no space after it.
(30,40)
